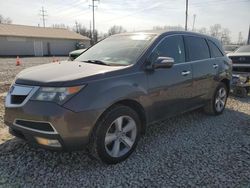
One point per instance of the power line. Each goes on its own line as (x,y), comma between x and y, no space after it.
(215,3)
(43,14)
(138,11)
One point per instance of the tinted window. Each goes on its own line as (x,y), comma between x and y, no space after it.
(170,47)
(197,48)
(215,52)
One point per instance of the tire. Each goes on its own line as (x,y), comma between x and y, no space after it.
(240,92)
(110,135)
(217,104)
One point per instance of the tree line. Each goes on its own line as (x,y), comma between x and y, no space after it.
(82,30)
(216,30)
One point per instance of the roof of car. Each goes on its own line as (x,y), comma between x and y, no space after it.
(165,32)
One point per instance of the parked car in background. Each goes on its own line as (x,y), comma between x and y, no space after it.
(230,48)
(241,71)
(241,59)
(104,99)
(74,54)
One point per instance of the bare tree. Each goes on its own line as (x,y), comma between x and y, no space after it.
(60,26)
(82,30)
(202,30)
(116,29)
(169,28)
(4,20)
(225,36)
(215,31)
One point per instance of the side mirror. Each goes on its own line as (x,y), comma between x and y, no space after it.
(163,62)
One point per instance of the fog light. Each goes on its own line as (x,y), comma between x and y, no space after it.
(48,142)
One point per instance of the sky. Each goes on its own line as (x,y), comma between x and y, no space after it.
(133,14)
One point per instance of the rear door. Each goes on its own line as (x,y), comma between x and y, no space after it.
(203,69)
(217,57)
(170,89)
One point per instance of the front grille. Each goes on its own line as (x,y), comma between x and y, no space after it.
(240,59)
(39,126)
(18,99)
(241,69)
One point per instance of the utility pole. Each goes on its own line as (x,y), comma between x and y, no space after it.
(43,15)
(93,6)
(186,15)
(76,27)
(248,39)
(240,38)
(194,22)
(90,29)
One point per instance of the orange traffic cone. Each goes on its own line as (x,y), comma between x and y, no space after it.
(18,62)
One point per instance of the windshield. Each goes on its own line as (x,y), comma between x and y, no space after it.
(117,50)
(244,49)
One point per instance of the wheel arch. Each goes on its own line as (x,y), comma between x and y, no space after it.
(227,83)
(136,106)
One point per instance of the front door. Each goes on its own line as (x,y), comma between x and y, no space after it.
(170,89)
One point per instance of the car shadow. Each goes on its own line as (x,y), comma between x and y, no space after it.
(193,142)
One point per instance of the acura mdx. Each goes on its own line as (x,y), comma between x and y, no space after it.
(103,101)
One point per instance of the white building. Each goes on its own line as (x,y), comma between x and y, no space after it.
(20,40)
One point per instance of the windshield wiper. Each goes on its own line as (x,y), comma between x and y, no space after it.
(99,62)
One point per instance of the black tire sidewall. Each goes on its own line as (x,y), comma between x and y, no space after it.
(103,126)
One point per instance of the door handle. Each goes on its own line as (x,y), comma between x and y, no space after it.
(185,73)
(215,66)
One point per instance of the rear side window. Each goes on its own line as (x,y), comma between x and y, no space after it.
(215,51)
(172,46)
(197,48)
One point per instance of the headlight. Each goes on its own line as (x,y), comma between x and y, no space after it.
(56,94)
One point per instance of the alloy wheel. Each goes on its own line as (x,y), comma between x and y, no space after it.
(121,136)
(220,100)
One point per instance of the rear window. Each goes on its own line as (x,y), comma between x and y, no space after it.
(197,48)
(215,51)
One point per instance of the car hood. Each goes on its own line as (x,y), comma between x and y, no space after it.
(65,73)
(239,54)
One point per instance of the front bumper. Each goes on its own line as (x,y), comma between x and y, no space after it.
(243,68)
(71,129)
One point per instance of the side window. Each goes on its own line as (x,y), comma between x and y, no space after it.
(197,48)
(215,51)
(170,47)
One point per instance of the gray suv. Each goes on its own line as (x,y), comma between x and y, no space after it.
(102,101)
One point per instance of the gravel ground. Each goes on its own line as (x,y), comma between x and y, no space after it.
(189,150)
